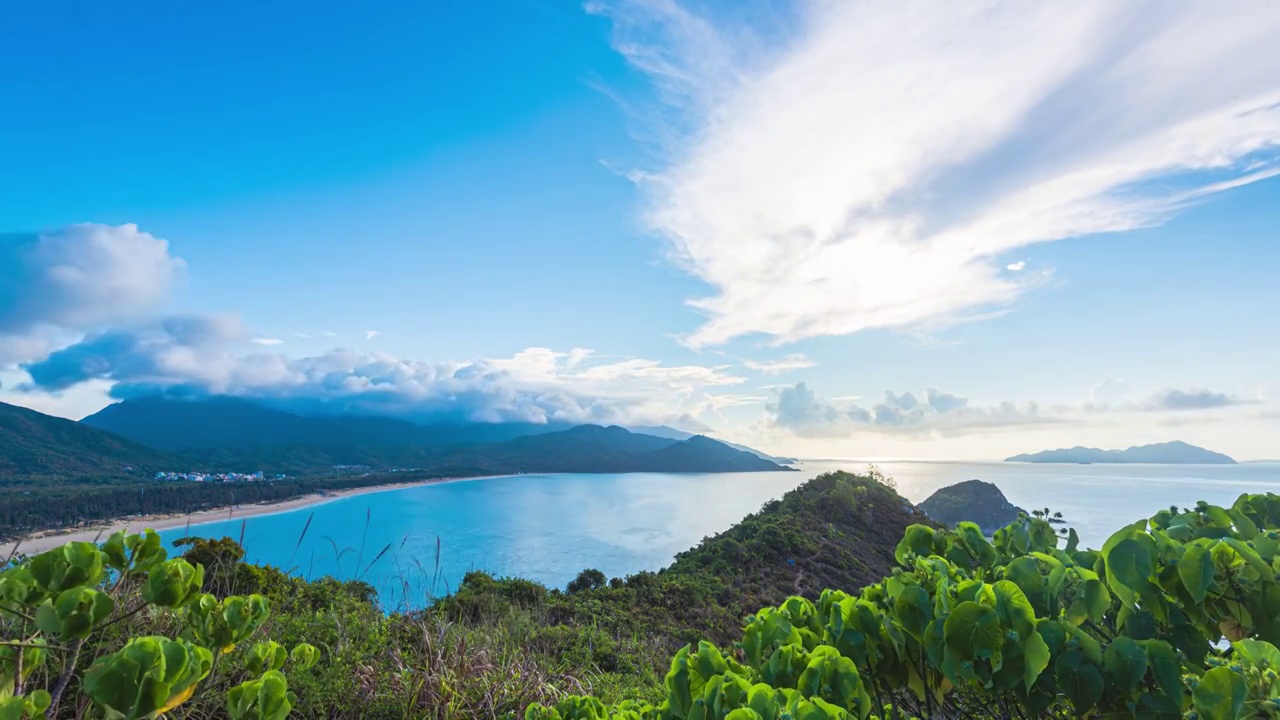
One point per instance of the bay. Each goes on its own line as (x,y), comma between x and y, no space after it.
(415,543)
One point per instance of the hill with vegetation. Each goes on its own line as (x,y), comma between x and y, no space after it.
(39,447)
(674,434)
(241,435)
(494,645)
(867,614)
(1170,453)
(972,501)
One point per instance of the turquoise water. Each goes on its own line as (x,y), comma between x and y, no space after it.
(549,527)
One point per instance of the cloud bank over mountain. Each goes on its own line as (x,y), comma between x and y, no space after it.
(212,355)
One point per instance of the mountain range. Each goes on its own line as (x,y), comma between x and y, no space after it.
(1170,453)
(35,444)
(228,434)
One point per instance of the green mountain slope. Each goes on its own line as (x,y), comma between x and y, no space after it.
(35,444)
(665,431)
(836,530)
(702,454)
(239,435)
(234,423)
(591,448)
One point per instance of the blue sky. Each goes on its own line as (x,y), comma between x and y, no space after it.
(1049,226)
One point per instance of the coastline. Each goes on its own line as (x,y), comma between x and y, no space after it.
(49,539)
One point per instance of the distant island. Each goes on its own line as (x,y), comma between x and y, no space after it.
(1170,453)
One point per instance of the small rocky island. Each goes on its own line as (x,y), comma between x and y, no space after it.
(971,501)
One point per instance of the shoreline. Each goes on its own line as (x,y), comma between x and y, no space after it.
(47,540)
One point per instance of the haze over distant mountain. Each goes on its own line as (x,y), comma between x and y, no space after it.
(35,444)
(227,422)
(238,431)
(251,438)
(592,448)
(1170,453)
(675,434)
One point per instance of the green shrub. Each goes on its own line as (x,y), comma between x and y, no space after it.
(65,606)
(1176,616)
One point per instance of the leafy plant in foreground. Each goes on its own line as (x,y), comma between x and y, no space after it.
(53,604)
(1176,616)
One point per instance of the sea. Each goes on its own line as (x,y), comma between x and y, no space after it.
(416,543)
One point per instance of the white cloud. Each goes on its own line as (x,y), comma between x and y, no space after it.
(1109,390)
(871,168)
(802,412)
(198,355)
(1017,266)
(1112,396)
(795,361)
(370,334)
(266,341)
(78,278)
(1196,399)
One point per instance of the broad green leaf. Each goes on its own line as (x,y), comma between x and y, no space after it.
(173,583)
(1079,679)
(1129,568)
(72,565)
(1014,609)
(1124,664)
(973,631)
(917,540)
(74,613)
(149,675)
(1220,695)
(914,610)
(1035,658)
(834,678)
(1164,666)
(267,698)
(304,656)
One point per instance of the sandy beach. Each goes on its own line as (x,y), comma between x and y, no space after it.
(39,542)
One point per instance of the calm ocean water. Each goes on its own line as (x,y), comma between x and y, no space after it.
(549,527)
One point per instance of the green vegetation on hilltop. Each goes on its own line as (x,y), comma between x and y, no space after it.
(38,446)
(1175,617)
(496,645)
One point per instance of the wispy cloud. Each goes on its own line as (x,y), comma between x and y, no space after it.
(1016,266)
(794,361)
(874,167)
(370,334)
(1198,399)
(266,341)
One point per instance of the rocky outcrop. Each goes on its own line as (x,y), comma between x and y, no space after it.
(971,501)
